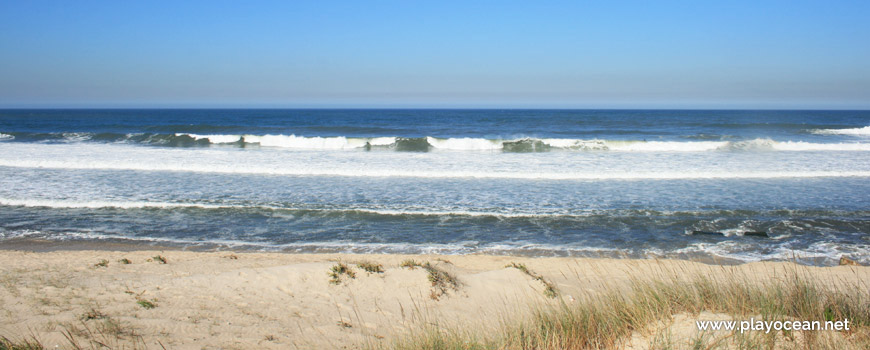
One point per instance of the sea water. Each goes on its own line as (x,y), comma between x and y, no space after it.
(610,183)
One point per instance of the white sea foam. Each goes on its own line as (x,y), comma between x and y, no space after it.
(301,142)
(462,247)
(73,204)
(807,146)
(54,203)
(493,165)
(664,146)
(748,251)
(5,137)
(575,144)
(865,131)
(480,174)
(381,141)
(735,250)
(464,143)
(77,136)
(749,145)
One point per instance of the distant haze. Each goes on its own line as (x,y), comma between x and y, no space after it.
(572,54)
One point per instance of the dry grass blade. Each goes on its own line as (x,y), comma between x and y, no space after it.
(549,288)
(609,318)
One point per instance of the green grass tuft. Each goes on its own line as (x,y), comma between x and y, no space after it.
(410,264)
(442,281)
(338,270)
(102,263)
(371,267)
(147,304)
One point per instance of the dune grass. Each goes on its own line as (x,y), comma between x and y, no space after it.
(549,288)
(23,344)
(608,319)
(371,267)
(441,280)
(338,270)
(90,333)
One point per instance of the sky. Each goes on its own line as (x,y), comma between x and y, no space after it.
(431,54)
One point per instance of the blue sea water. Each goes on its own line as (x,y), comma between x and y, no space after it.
(613,183)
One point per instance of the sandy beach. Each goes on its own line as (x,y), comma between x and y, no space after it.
(270,300)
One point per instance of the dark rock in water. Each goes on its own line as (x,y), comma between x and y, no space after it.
(846,261)
(706,233)
(525,145)
(407,144)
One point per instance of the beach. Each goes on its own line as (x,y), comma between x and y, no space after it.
(429,228)
(448,175)
(223,299)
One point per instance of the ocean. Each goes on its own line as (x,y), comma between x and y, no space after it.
(733,186)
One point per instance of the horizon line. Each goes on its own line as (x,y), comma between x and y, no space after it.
(845,109)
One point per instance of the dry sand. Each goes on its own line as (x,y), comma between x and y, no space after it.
(286,301)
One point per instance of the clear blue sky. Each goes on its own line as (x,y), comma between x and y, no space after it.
(601,54)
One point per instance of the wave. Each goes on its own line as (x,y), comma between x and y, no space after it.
(507,213)
(411,173)
(819,253)
(865,131)
(73,204)
(66,204)
(525,144)
(424,144)
(77,204)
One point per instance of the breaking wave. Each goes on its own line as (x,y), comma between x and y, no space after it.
(865,131)
(429,143)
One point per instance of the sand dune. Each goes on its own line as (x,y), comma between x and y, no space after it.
(264,300)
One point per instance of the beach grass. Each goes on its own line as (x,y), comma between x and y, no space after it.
(146,304)
(23,344)
(610,318)
(601,304)
(338,270)
(441,280)
(549,288)
(410,264)
(371,267)
(90,333)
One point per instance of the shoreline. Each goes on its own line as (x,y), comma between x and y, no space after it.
(230,299)
(44,246)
